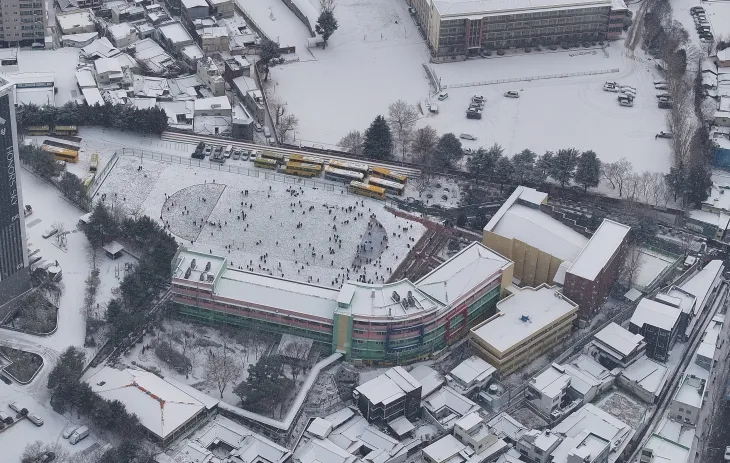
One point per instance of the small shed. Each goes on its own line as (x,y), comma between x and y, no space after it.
(113,250)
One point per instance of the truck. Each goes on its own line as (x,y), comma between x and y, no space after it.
(79,435)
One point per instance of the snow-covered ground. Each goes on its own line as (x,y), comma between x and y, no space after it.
(302,233)
(320,92)
(275,19)
(652,264)
(623,407)
(201,340)
(48,208)
(375,58)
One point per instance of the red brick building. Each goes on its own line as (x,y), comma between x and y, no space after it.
(593,272)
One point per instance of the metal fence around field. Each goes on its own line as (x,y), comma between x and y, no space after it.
(528,79)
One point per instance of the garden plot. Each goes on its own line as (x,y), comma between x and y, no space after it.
(275,228)
(194,342)
(559,113)
(375,58)
(623,407)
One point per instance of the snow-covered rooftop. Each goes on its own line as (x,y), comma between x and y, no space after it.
(456,404)
(600,249)
(539,230)
(504,425)
(390,386)
(473,369)
(585,447)
(701,284)
(108,66)
(216,102)
(429,379)
(522,314)
(619,339)
(655,314)
(121,30)
(456,277)
(443,449)
(161,407)
(667,451)
(100,48)
(379,300)
(600,423)
(551,382)
(680,298)
(647,374)
(691,391)
(277,293)
(585,374)
(79,18)
(175,33)
(477,8)
(85,78)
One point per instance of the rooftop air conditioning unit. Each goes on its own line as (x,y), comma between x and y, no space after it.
(395,296)
(202,276)
(207,266)
(188,272)
(192,264)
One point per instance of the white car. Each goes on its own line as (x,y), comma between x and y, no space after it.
(661,86)
(609,87)
(443,96)
(467,136)
(35,419)
(628,103)
(727,453)
(69,430)
(512,94)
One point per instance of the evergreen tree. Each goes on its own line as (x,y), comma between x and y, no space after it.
(448,150)
(269,51)
(101,226)
(68,369)
(675,181)
(378,140)
(266,385)
(504,171)
(326,26)
(524,166)
(542,166)
(588,172)
(563,165)
(698,184)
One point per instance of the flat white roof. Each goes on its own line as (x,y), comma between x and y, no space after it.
(585,373)
(161,407)
(599,423)
(377,300)
(461,273)
(107,65)
(277,293)
(121,30)
(686,300)
(447,397)
(216,102)
(539,230)
(85,78)
(429,379)
(523,314)
(193,3)
(175,32)
(600,248)
(473,369)
(647,374)
(551,382)
(619,339)
(450,8)
(79,18)
(667,451)
(655,314)
(691,391)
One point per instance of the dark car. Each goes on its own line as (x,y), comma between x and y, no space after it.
(473,115)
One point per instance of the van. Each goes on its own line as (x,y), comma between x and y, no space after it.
(227,151)
(267,132)
(79,435)
(16,407)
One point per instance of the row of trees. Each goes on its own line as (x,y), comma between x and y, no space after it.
(118,116)
(156,248)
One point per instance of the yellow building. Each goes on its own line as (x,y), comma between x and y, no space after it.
(529,322)
(536,242)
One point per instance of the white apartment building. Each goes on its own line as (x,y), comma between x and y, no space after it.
(687,401)
(22,22)
(546,390)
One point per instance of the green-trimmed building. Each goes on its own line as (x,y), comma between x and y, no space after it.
(382,323)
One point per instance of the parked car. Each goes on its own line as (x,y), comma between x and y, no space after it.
(5,418)
(727,453)
(626,103)
(5,380)
(47,457)
(704,39)
(50,232)
(257,126)
(70,429)
(228,151)
(207,150)
(512,94)
(473,115)
(610,87)
(35,419)
(664,134)
(236,154)
(661,86)
(478,98)
(665,105)
(16,407)
(467,136)
(79,435)
(267,132)
(442,96)
(696,9)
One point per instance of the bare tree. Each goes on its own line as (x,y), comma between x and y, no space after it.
(423,144)
(617,173)
(298,352)
(423,182)
(657,186)
(402,118)
(35,451)
(286,124)
(221,367)
(277,108)
(645,186)
(327,5)
(352,142)
(631,267)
